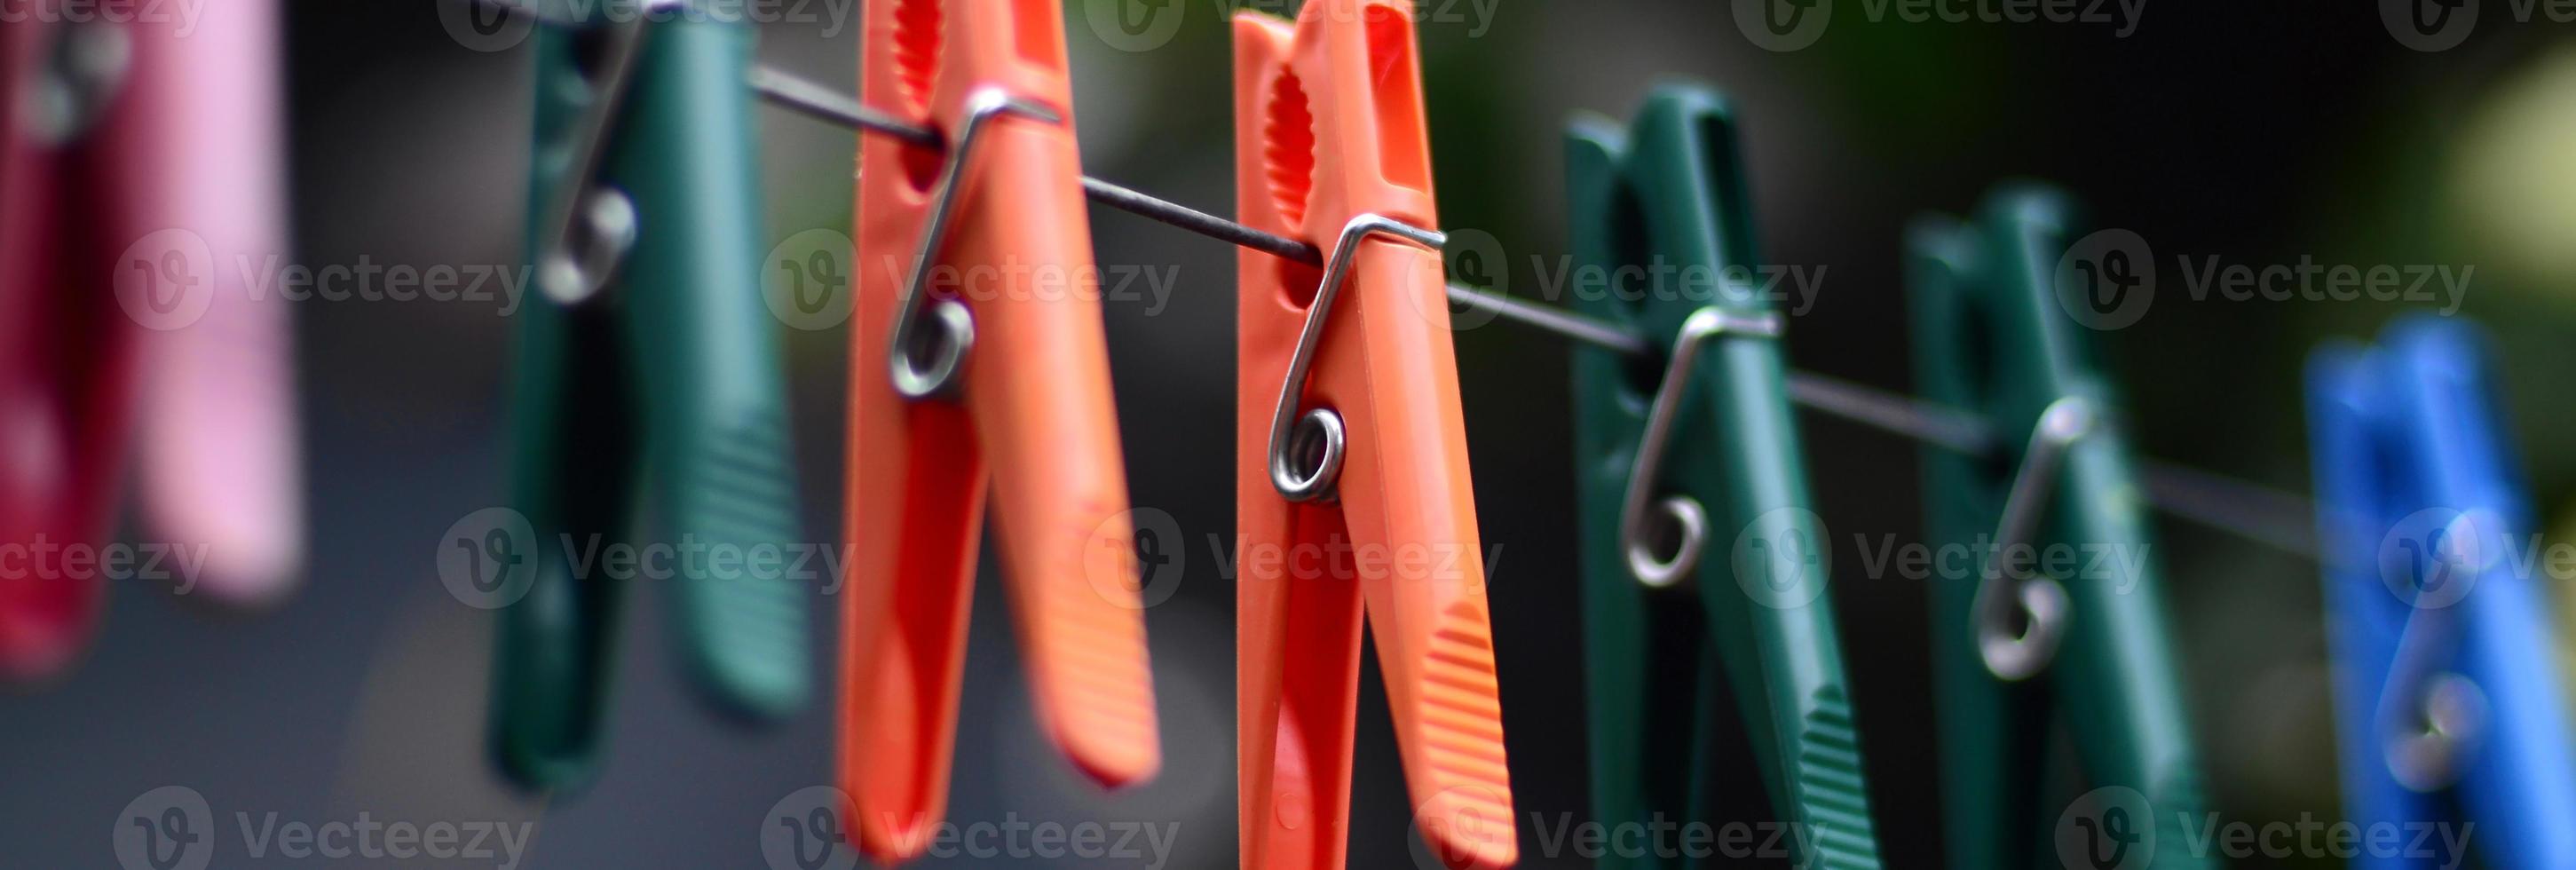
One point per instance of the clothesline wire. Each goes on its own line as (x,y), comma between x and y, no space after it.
(2253,511)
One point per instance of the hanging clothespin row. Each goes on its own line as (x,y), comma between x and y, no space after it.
(1700,551)
(137,161)
(647,360)
(968,380)
(2037,636)
(2450,707)
(1352,491)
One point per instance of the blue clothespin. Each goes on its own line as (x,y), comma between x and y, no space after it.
(2446,691)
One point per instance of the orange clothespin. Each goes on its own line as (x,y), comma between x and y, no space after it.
(965,370)
(1353,481)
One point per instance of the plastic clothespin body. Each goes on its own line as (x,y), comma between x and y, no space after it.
(1029,421)
(74,196)
(1671,193)
(219,447)
(2422,513)
(1991,338)
(664,378)
(1329,128)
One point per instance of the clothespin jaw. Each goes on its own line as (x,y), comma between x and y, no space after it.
(1991,338)
(645,228)
(72,199)
(969,372)
(1720,513)
(2449,707)
(1352,490)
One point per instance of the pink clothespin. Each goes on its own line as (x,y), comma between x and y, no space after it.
(139,163)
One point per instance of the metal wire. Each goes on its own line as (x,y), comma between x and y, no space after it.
(829,106)
(2257,513)
(2262,515)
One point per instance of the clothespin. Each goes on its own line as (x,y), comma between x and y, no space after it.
(2094,647)
(969,377)
(136,160)
(219,445)
(1352,490)
(66,195)
(649,354)
(2449,703)
(1700,550)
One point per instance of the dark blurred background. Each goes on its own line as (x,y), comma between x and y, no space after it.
(2254,132)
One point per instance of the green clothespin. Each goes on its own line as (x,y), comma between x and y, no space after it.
(2016,648)
(1703,554)
(648,354)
